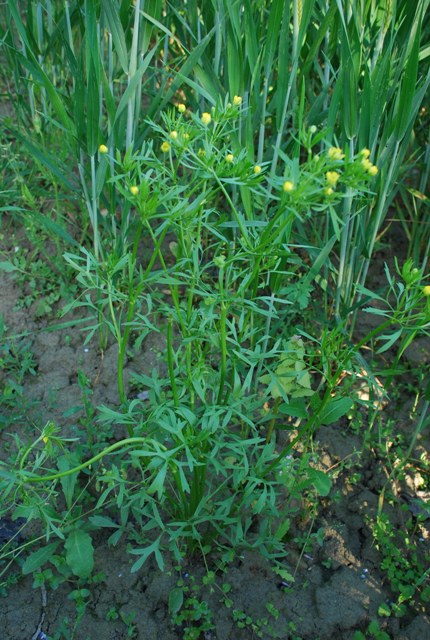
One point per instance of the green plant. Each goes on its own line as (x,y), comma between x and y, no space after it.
(261,627)
(373,631)
(194,601)
(403,565)
(16,363)
(206,468)
(189,610)
(128,620)
(225,194)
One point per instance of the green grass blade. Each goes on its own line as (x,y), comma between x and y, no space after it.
(118,36)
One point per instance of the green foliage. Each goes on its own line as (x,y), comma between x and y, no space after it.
(405,567)
(291,377)
(16,363)
(219,178)
(373,631)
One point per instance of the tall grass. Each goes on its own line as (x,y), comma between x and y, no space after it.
(92,73)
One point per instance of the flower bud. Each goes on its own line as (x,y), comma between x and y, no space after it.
(206,118)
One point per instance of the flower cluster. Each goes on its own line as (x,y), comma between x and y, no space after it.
(335,153)
(371,169)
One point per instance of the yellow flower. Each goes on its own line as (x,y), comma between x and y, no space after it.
(365,153)
(373,170)
(366,164)
(328,191)
(334,153)
(288,186)
(165,147)
(182,108)
(103,149)
(229,157)
(237,101)
(46,439)
(426,290)
(332,177)
(134,190)
(186,136)
(173,135)
(257,169)
(206,118)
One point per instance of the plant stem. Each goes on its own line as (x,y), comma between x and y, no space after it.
(113,447)
(273,420)
(170,362)
(223,337)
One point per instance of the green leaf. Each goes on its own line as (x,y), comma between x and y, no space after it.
(281,531)
(103,522)
(409,83)
(38,558)
(199,89)
(284,574)
(118,36)
(93,111)
(68,482)
(321,481)
(7,266)
(130,92)
(80,553)
(335,409)
(318,262)
(291,377)
(384,610)
(389,340)
(176,598)
(278,10)
(145,553)
(296,408)
(157,484)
